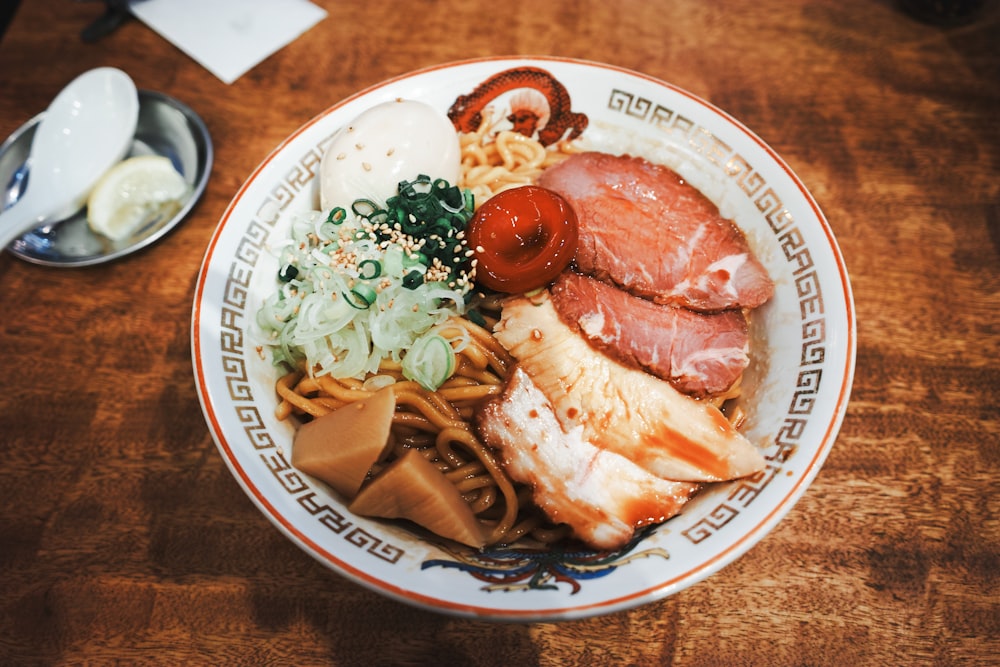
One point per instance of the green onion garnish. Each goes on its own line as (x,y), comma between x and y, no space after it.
(361,297)
(413,279)
(369,269)
(337,216)
(436,213)
(287,273)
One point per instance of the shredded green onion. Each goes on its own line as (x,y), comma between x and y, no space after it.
(337,216)
(437,213)
(360,297)
(413,280)
(370,268)
(429,362)
(370,283)
(364,208)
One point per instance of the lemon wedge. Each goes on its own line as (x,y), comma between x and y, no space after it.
(133,194)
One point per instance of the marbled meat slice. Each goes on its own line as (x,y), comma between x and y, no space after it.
(699,353)
(644,228)
(602,496)
(621,409)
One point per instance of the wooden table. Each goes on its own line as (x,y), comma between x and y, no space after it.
(124,538)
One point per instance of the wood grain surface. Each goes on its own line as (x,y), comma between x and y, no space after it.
(125,540)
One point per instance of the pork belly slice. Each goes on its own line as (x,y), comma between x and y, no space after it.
(621,409)
(602,496)
(698,353)
(644,228)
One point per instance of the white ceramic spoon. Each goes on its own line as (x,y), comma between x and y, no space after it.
(86,130)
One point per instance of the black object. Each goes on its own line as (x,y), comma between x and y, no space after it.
(943,12)
(115,13)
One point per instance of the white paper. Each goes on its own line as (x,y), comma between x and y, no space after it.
(228,37)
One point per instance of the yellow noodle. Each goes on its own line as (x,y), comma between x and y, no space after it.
(494,162)
(412,420)
(473,152)
(330,404)
(465,369)
(470,443)
(425,404)
(519,153)
(297,400)
(474,393)
(470,470)
(445,441)
(481,503)
(337,389)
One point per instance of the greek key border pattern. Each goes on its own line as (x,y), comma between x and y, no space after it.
(754,186)
(232,347)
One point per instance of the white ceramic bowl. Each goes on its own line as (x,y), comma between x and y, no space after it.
(796,390)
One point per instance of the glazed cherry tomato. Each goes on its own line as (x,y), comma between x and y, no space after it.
(523,238)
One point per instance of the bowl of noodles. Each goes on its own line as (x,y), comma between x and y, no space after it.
(792,396)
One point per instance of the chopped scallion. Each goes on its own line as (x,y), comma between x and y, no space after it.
(413,279)
(361,297)
(337,216)
(287,273)
(369,269)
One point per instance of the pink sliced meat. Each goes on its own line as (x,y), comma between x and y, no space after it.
(644,228)
(699,353)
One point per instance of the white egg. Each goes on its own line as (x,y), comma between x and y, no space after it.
(388,143)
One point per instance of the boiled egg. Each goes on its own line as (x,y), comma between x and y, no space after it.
(388,143)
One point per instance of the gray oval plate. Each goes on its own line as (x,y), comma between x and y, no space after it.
(165,127)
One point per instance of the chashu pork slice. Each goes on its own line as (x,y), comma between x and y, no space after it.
(602,496)
(701,354)
(647,230)
(621,409)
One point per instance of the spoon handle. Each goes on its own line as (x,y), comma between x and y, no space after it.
(23,216)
